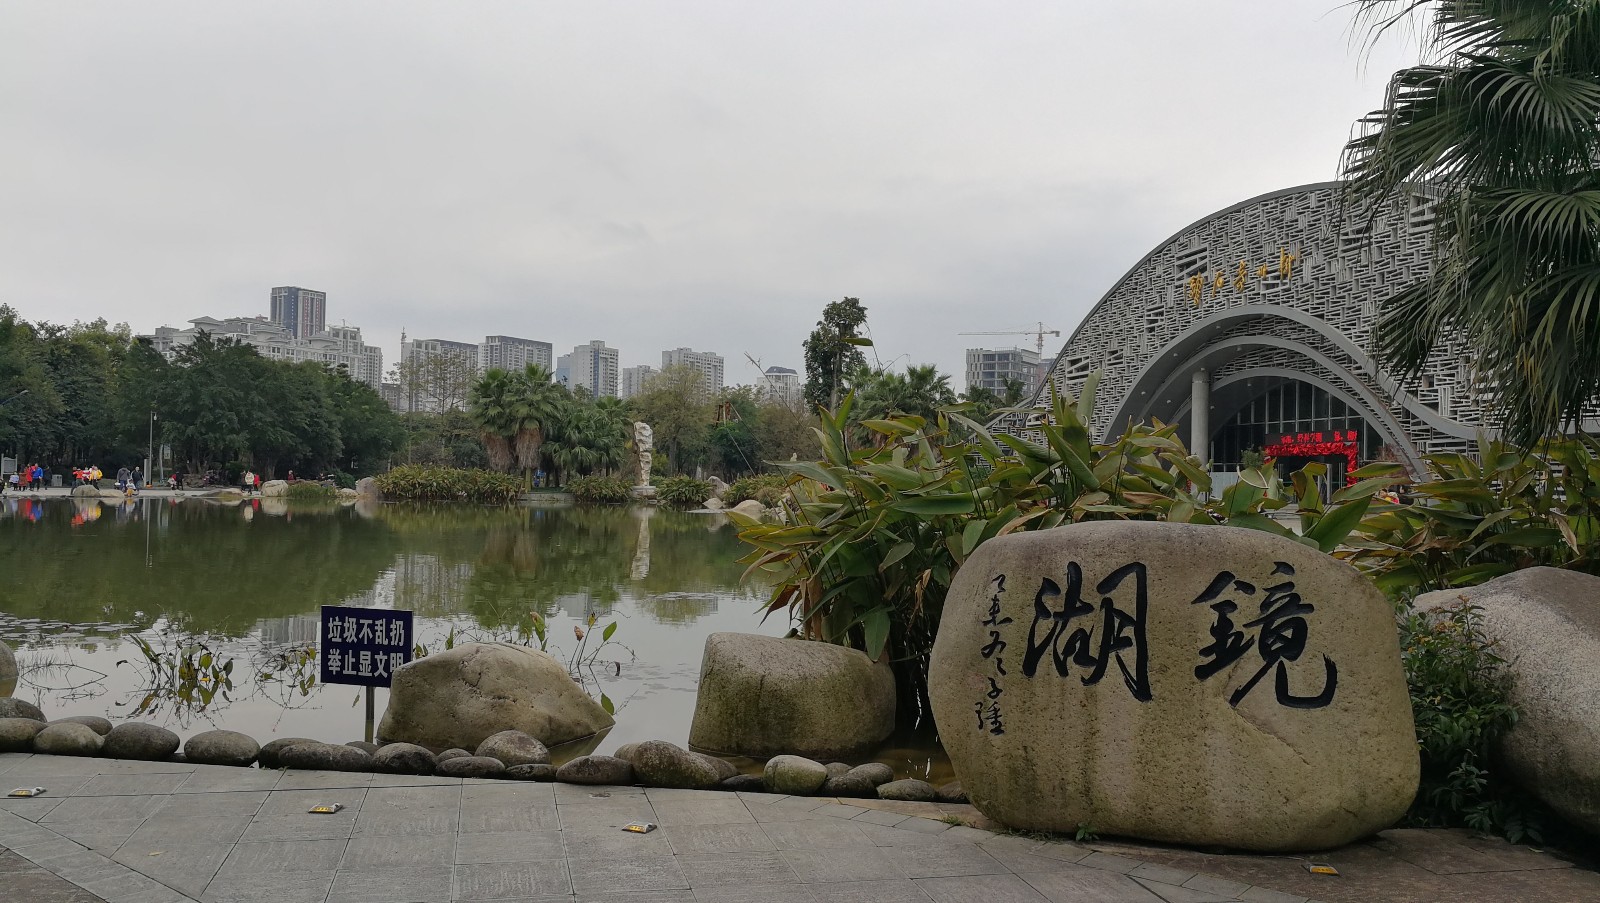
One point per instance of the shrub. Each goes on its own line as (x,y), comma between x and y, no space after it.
(418,483)
(768,489)
(599,490)
(1460,698)
(308,491)
(682,492)
(1480,519)
(876,535)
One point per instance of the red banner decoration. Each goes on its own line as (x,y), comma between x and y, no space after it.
(1316,449)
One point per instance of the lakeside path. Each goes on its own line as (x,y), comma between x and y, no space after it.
(162,832)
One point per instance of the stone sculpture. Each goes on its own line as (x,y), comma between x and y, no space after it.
(643,443)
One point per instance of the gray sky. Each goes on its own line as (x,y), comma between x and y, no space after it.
(651,174)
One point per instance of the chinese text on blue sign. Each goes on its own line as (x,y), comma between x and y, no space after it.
(363,646)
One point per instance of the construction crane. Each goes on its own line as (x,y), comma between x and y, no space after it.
(1038,335)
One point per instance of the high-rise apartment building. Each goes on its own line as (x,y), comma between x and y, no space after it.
(338,347)
(634,379)
(594,367)
(300,310)
(708,364)
(780,385)
(436,374)
(991,367)
(511,353)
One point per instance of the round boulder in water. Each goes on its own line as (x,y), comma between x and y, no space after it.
(222,748)
(68,739)
(403,758)
(101,726)
(20,708)
(514,748)
(16,734)
(137,740)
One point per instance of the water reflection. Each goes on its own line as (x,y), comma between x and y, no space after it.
(86,584)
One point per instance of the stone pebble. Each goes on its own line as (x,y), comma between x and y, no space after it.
(795,775)
(11,707)
(68,739)
(16,734)
(137,740)
(222,748)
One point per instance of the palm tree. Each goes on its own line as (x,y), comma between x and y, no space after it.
(1503,123)
(591,438)
(493,403)
(538,411)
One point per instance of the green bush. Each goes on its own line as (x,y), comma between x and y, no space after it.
(768,489)
(599,490)
(418,483)
(682,492)
(307,491)
(1460,698)
(877,533)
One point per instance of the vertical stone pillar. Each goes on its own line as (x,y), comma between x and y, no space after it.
(1200,416)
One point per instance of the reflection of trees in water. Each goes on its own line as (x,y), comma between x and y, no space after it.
(207,569)
(678,608)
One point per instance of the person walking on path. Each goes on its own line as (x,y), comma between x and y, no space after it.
(138,477)
(258,483)
(124,476)
(249,482)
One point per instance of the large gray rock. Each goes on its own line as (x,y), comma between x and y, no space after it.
(661,764)
(876,773)
(270,752)
(318,756)
(222,748)
(367,488)
(137,740)
(86,492)
(608,770)
(795,775)
(272,489)
(1545,623)
(101,726)
(1209,686)
(722,767)
(8,670)
(541,773)
(847,784)
(403,758)
(514,748)
(19,708)
(763,696)
(459,697)
(16,734)
(68,739)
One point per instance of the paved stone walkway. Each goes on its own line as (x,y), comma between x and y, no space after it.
(150,832)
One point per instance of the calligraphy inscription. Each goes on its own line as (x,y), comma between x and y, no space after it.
(1082,637)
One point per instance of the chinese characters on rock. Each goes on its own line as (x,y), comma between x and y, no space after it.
(1078,637)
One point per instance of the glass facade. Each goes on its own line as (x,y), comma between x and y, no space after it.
(1287,407)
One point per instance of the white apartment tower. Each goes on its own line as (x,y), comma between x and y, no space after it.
(594,367)
(707,363)
(781,385)
(512,354)
(991,367)
(634,379)
(436,374)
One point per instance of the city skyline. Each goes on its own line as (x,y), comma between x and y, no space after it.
(722,175)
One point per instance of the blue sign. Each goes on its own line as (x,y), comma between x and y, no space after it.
(363,646)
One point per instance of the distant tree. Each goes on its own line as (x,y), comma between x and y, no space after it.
(440,382)
(920,391)
(492,404)
(539,411)
(833,352)
(675,405)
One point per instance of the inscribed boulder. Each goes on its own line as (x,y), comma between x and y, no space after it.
(1191,684)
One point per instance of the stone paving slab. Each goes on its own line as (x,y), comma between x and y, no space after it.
(139,832)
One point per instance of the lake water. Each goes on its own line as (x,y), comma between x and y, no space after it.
(86,588)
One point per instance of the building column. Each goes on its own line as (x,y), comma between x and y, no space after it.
(1200,416)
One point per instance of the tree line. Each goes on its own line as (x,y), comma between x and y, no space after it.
(91,393)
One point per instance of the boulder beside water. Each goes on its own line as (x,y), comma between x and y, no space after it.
(8,670)
(462,696)
(137,740)
(1545,623)
(222,748)
(763,696)
(1202,685)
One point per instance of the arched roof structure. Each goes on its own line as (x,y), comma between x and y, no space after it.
(1284,285)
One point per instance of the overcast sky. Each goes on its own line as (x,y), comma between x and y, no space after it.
(652,174)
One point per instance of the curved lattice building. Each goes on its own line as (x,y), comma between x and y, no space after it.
(1252,326)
